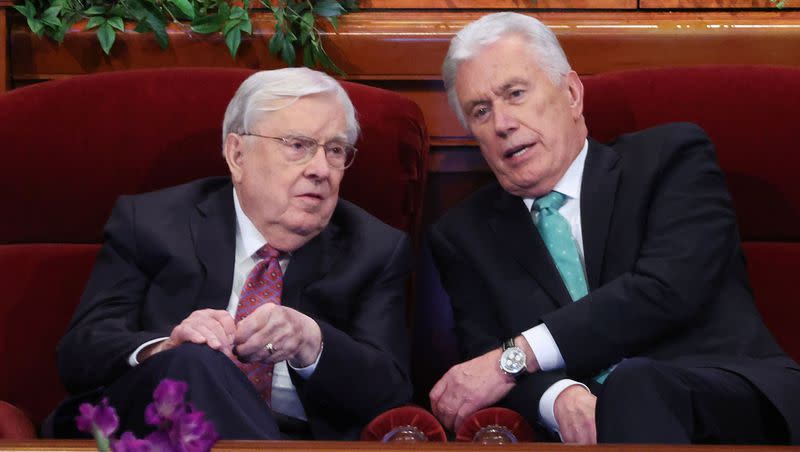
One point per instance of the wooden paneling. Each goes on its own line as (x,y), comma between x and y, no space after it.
(5,76)
(411,45)
(711,4)
(403,51)
(497,4)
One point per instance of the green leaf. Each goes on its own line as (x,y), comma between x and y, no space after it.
(117,23)
(238,13)
(96,10)
(224,10)
(232,39)
(246,26)
(50,16)
(322,57)
(288,53)
(36,26)
(229,25)
(27,10)
(95,21)
(307,20)
(328,8)
(208,24)
(279,17)
(117,10)
(106,35)
(276,43)
(185,6)
(334,21)
(158,27)
(308,57)
(62,29)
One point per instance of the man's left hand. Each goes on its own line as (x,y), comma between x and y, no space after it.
(468,387)
(294,336)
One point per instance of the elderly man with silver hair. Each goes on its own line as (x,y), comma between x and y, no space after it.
(281,305)
(600,290)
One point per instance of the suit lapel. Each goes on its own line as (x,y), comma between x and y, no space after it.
(598,191)
(310,263)
(213,225)
(515,233)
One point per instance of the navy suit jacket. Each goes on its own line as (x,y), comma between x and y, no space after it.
(665,267)
(171,252)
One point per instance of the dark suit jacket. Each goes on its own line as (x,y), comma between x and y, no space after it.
(665,267)
(171,252)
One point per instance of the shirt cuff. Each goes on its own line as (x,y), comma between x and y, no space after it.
(548,401)
(544,347)
(132,359)
(306,372)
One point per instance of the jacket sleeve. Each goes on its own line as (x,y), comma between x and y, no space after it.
(688,242)
(477,327)
(364,367)
(104,330)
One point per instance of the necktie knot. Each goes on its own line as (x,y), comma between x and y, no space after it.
(553,201)
(268,252)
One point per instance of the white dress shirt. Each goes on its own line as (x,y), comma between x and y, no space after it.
(284,397)
(539,338)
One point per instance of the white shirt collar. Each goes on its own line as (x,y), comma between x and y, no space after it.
(248,239)
(570,183)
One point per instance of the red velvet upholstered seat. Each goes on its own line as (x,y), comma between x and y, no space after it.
(750,113)
(71,147)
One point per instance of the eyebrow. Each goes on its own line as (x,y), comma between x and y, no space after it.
(502,89)
(511,83)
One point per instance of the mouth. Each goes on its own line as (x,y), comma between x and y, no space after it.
(518,151)
(311,197)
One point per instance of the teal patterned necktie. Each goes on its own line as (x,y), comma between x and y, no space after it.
(557,236)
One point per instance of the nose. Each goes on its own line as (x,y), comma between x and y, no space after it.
(505,122)
(318,167)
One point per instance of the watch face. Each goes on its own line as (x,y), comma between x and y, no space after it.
(513,360)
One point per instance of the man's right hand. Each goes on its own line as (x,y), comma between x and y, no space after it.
(574,411)
(213,327)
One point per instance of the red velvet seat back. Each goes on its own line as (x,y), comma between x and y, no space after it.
(751,115)
(71,147)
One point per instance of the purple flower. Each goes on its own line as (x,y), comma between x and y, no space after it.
(101,418)
(167,402)
(192,433)
(129,443)
(160,442)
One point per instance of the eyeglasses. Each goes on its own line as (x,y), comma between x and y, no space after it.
(300,149)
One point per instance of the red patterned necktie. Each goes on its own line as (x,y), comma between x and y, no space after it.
(264,285)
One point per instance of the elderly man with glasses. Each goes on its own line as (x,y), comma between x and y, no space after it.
(281,305)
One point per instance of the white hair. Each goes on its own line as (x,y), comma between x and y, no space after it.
(261,92)
(489,29)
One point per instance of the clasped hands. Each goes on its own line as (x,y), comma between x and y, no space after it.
(479,383)
(294,336)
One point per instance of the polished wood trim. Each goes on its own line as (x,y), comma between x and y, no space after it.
(710,4)
(364,446)
(497,4)
(380,45)
(5,74)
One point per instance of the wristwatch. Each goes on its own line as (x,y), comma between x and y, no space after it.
(513,359)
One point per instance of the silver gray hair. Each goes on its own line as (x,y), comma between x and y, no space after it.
(263,92)
(489,29)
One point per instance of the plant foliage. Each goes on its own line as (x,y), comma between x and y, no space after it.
(296,21)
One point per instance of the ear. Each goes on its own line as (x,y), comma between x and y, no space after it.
(233,149)
(575,93)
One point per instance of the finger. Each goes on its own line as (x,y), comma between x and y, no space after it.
(185,333)
(210,337)
(464,412)
(438,389)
